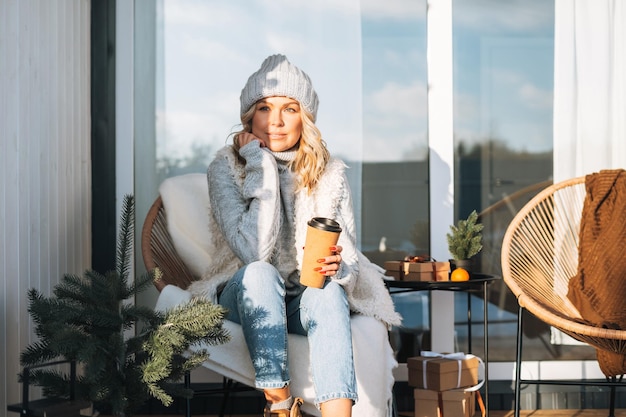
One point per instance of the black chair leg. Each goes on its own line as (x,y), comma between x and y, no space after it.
(612,397)
(187,400)
(227,385)
(518,361)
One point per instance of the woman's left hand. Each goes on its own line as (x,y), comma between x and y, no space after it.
(330,263)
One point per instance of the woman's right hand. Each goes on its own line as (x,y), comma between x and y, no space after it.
(245,137)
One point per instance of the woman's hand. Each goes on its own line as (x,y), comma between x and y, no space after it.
(244,138)
(330,263)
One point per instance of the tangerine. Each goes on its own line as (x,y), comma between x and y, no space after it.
(459,274)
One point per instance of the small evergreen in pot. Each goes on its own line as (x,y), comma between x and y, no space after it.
(465,241)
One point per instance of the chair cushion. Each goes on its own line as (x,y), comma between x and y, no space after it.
(185,199)
(186,204)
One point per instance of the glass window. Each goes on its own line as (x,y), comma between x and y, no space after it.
(395,186)
(204,51)
(503,84)
(367,61)
(395,154)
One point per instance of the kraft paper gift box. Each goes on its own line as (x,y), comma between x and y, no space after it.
(456,403)
(441,372)
(394,269)
(426,271)
(418,271)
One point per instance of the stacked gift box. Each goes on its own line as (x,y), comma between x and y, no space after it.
(418,269)
(443,384)
(455,403)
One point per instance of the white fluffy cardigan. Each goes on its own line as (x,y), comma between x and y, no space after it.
(362,280)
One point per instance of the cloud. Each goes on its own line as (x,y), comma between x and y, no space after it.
(489,16)
(279,42)
(535,97)
(395,113)
(529,94)
(395,102)
(188,13)
(393,9)
(206,122)
(247,16)
(208,49)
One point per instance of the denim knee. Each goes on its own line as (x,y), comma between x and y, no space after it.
(332,298)
(260,273)
(261,278)
(257,283)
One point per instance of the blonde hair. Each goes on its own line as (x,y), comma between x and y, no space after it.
(312,155)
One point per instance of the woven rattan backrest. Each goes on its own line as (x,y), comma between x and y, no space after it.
(158,250)
(540,255)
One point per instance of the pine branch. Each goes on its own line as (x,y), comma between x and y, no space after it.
(195,322)
(140,284)
(125,239)
(67,341)
(56,383)
(37,353)
(131,314)
(73,287)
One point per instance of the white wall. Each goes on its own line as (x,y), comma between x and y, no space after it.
(45,162)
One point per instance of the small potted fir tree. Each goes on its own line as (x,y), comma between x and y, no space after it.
(464,242)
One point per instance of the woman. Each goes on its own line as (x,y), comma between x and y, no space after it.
(263,189)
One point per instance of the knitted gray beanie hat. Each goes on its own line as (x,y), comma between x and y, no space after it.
(279,77)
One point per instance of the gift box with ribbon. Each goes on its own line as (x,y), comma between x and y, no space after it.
(455,403)
(418,270)
(442,372)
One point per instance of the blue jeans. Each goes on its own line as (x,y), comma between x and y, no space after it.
(255,298)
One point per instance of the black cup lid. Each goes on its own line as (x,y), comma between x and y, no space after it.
(323,223)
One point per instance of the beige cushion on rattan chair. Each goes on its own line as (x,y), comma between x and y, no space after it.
(175,241)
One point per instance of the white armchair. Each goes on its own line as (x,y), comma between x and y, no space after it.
(174,238)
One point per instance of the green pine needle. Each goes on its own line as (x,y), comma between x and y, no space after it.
(197,321)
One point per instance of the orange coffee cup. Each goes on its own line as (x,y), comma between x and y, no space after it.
(322,233)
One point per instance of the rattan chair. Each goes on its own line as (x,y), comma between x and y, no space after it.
(175,238)
(539,255)
(158,250)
